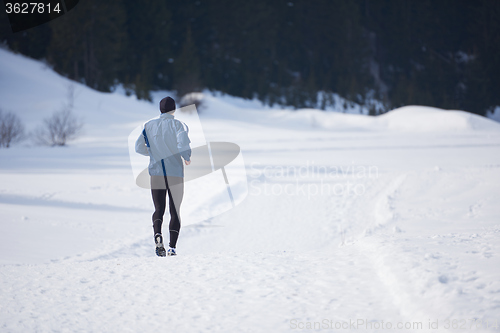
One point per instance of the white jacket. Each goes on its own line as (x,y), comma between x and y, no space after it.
(165,139)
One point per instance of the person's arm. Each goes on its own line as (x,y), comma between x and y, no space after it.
(183,142)
(140,146)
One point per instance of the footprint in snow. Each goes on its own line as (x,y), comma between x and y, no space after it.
(443,279)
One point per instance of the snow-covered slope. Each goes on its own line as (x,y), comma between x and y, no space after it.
(351,222)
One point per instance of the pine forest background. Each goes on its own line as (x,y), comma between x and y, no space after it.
(442,53)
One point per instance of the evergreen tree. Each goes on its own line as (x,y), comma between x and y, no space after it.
(187,68)
(148,50)
(88,43)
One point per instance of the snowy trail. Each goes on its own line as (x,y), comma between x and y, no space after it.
(418,254)
(248,292)
(380,274)
(399,256)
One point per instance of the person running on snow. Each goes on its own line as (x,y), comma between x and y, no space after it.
(165,140)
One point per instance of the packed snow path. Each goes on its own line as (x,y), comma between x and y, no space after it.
(411,245)
(415,246)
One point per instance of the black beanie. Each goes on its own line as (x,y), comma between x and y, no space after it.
(167,104)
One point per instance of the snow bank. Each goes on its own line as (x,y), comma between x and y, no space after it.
(427,119)
(495,114)
(408,118)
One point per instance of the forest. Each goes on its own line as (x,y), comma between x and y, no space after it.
(380,54)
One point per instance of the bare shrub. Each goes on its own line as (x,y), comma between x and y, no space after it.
(58,129)
(11,129)
(62,126)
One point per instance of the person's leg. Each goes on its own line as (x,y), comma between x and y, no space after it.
(159,194)
(175,186)
(159,201)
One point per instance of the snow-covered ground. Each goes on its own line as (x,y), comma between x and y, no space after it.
(351,222)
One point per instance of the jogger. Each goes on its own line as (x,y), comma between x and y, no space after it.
(165,140)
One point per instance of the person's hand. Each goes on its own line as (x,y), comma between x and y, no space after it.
(187,162)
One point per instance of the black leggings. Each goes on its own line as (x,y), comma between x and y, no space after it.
(160,187)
